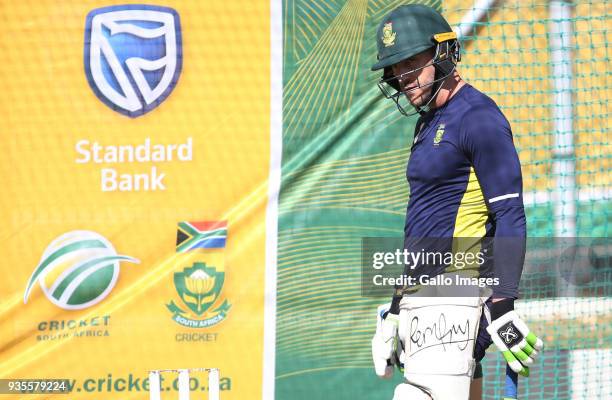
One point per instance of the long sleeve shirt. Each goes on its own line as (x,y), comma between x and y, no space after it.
(465,182)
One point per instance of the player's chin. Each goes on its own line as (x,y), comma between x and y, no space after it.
(419,99)
(416,100)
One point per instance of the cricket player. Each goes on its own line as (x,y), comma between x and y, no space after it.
(465,182)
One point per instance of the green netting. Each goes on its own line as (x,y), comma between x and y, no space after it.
(511,55)
(344,154)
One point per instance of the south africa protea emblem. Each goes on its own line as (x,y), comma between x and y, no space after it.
(199,288)
(439,134)
(388,37)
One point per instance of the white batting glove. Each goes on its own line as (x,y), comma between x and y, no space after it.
(385,342)
(518,344)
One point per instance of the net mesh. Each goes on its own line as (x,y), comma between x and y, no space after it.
(508,55)
(531,56)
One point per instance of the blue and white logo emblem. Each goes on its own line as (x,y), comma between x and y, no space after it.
(133,56)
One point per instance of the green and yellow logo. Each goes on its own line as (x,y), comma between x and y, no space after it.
(199,289)
(439,135)
(388,37)
(77,270)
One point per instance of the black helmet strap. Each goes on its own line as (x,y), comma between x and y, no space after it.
(445,61)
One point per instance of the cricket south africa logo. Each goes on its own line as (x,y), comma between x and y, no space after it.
(133,56)
(77,270)
(199,303)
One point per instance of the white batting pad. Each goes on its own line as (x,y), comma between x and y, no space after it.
(439,335)
(405,391)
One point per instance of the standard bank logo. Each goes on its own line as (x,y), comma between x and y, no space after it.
(133,56)
(77,270)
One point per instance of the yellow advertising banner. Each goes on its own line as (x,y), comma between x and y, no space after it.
(134,176)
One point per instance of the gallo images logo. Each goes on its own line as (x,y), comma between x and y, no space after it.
(77,270)
(133,56)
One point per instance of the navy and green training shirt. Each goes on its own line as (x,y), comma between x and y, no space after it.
(465,182)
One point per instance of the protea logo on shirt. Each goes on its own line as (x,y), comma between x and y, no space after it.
(439,134)
(199,288)
(77,270)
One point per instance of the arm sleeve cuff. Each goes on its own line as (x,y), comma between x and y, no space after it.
(501,307)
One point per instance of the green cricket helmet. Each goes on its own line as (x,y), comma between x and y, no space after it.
(407,31)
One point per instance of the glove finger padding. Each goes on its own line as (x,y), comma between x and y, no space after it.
(530,351)
(382,366)
(518,352)
(384,342)
(529,336)
(517,344)
(534,341)
(515,364)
